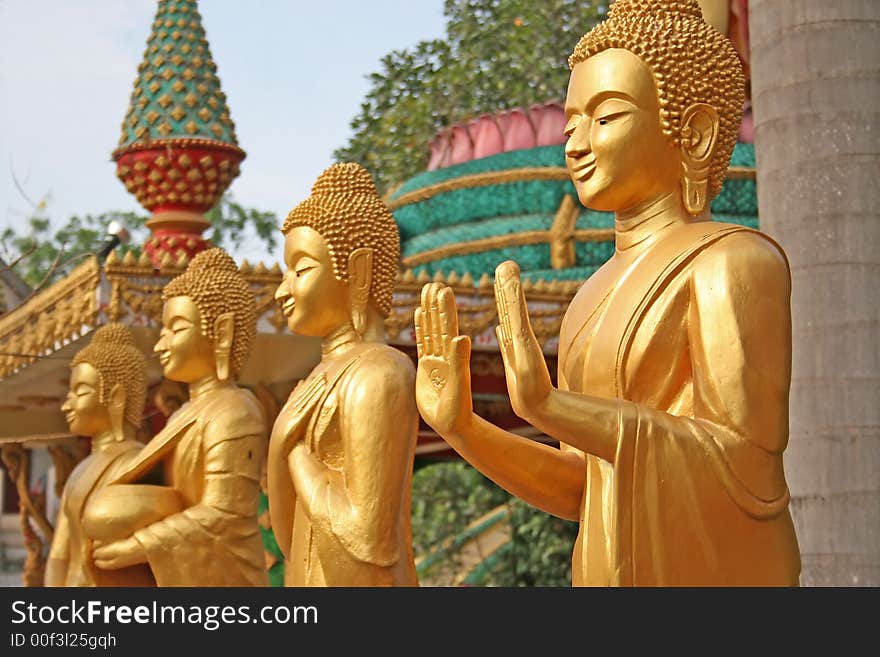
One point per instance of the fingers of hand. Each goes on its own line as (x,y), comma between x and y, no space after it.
(420,332)
(509,299)
(427,334)
(461,348)
(517,325)
(434,319)
(504,348)
(448,320)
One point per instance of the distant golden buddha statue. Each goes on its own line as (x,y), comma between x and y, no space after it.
(105,402)
(208,457)
(341,452)
(674,357)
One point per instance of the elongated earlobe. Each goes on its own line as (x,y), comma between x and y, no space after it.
(224,327)
(116,409)
(699,135)
(360,275)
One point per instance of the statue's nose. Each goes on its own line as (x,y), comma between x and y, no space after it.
(282,292)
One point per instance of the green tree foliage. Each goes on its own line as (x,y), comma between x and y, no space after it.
(497,54)
(43,254)
(447,497)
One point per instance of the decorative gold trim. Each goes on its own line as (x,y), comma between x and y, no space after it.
(55,316)
(479,180)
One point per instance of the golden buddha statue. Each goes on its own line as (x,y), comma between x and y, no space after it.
(105,402)
(341,451)
(674,357)
(207,459)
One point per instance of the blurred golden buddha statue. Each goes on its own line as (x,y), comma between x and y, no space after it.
(341,452)
(674,357)
(198,527)
(105,402)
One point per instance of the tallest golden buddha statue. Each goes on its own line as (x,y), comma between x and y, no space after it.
(674,357)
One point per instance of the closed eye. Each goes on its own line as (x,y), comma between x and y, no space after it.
(303,270)
(608,118)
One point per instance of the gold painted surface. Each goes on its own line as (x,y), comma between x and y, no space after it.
(674,358)
(55,316)
(210,452)
(105,402)
(341,452)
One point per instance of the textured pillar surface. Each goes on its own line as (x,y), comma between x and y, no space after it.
(816,97)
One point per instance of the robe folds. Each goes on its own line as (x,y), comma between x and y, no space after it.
(211,451)
(358,419)
(70,544)
(695,342)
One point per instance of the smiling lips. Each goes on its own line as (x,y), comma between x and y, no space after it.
(287,308)
(584,170)
(164,357)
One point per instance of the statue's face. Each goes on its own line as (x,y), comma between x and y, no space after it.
(83,410)
(185,353)
(616,153)
(313,300)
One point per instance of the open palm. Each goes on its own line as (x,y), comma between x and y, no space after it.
(443,388)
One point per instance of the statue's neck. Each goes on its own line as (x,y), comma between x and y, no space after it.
(205,385)
(105,439)
(641,224)
(339,341)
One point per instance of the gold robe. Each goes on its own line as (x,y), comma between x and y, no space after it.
(211,451)
(358,418)
(69,542)
(695,338)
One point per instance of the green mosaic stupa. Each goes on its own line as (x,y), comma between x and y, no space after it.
(178,152)
(177,93)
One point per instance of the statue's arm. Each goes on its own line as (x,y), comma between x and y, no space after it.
(544,476)
(233,452)
(740,334)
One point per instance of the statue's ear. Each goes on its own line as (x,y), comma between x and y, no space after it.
(360,278)
(224,329)
(699,136)
(116,408)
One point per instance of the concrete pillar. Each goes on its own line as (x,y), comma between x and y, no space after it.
(816,97)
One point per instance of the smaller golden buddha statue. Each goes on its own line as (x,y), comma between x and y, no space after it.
(105,402)
(341,452)
(207,459)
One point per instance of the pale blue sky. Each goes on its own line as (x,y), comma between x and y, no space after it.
(294,73)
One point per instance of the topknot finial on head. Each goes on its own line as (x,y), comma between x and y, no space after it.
(115,335)
(344,179)
(653,8)
(213,259)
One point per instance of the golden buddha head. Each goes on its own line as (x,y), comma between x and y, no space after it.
(107,384)
(341,249)
(209,320)
(654,105)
